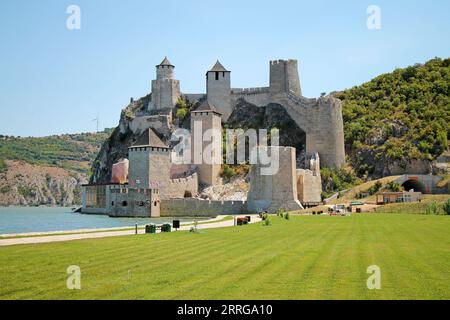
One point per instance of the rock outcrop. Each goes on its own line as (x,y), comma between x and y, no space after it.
(31,185)
(246,115)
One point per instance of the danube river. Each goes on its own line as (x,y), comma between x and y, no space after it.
(42,219)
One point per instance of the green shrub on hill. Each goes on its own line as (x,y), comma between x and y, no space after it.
(334,180)
(227,172)
(375,188)
(394,186)
(183,108)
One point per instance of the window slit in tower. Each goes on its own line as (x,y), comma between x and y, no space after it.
(217,75)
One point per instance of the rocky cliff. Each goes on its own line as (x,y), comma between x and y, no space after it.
(24,184)
(116,147)
(46,170)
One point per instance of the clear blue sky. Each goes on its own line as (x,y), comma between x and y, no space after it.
(54,80)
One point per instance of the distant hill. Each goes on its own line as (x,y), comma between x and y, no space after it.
(399,121)
(69,151)
(47,170)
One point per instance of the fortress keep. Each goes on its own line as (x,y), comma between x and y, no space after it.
(157,186)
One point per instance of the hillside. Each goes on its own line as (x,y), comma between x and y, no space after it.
(46,170)
(399,121)
(69,151)
(33,185)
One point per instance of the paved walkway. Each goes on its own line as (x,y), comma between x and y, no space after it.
(104,234)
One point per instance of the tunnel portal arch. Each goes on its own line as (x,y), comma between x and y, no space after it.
(414,185)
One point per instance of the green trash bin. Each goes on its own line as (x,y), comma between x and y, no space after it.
(166,227)
(150,228)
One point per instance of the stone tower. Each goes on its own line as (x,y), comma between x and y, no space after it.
(309,182)
(165,89)
(206,143)
(150,161)
(284,77)
(277,190)
(218,89)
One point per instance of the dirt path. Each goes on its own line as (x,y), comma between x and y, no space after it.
(100,234)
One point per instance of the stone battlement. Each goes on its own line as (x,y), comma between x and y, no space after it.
(184,187)
(185,179)
(255,90)
(282,61)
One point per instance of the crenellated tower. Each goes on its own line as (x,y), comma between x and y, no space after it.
(284,77)
(150,163)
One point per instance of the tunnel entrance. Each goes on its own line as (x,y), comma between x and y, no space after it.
(414,184)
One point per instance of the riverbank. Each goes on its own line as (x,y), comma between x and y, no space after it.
(59,236)
(24,220)
(93,230)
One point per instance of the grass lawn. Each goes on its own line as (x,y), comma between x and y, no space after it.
(307,257)
(415,207)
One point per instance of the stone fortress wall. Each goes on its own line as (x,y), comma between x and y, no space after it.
(161,123)
(309,182)
(270,192)
(320,119)
(154,191)
(96,199)
(166,92)
(127,202)
(257,96)
(184,187)
(121,201)
(198,207)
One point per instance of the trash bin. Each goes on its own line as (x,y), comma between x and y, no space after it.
(166,227)
(150,228)
(249,219)
(176,224)
(241,221)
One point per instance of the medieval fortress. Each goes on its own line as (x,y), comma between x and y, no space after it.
(151,184)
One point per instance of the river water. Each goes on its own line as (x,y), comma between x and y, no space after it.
(42,219)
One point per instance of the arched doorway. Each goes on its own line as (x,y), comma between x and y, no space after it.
(187,194)
(415,185)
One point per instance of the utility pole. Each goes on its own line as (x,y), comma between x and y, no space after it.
(97,119)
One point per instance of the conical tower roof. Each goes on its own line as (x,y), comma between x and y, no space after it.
(165,62)
(218,67)
(149,139)
(206,107)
